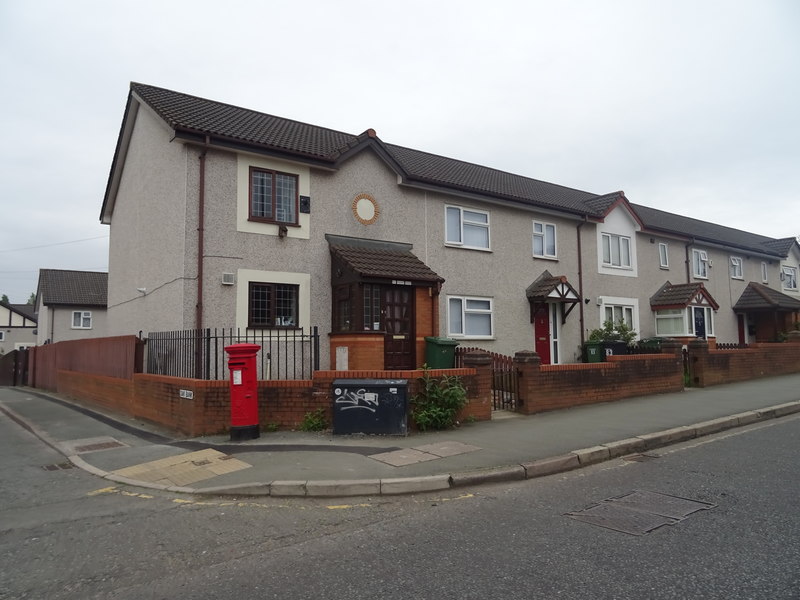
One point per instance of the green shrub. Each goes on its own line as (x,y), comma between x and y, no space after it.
(438,401)
(613,332)
(314,421)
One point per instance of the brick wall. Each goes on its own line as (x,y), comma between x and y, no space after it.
(283,404)
(550,387)
(712,367)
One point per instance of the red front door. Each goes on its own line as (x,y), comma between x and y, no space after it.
(541,332)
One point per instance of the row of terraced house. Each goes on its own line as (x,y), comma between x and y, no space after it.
(225,217)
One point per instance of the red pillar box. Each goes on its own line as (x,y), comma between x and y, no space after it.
(244,391)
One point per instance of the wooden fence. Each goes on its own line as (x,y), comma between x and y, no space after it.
(119,357)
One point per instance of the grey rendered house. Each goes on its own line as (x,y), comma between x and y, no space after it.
(17,327)
(222,216)
(71,305)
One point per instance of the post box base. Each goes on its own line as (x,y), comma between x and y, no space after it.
(245,432)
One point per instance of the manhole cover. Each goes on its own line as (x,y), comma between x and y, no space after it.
(660,504)
(621,519)
(639,512)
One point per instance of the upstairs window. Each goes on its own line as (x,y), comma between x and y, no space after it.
(700,264)
(272,305)
(663,256)
(736,268)
(616,251)
(273,196)
(544,240)
(466,228)
(764,273)
(789,276)
(82,319)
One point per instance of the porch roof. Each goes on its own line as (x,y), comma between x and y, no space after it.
(681,295)
(759,297)
(375,259)
(552,287)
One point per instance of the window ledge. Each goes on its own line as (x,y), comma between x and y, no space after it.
(461,247)
(550,258)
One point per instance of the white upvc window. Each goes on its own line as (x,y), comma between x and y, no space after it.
(700,264)
(671,321)
(81,319)
(663,255)
(469,317)
(736,268)
(544,240)
(616,313)
(2,336)
(466,227)
(789,277)
(764,273)
(616,251)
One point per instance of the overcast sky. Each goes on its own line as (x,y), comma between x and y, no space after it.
(688,106)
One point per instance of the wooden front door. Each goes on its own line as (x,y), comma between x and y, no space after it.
(398,323)
(541,332)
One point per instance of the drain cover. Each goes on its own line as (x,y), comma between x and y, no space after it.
(94,444)
(95,447)
(639,457)
(639,512)
(57,467)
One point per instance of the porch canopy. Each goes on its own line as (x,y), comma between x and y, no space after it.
(377,261)
(549,288)
(682,295)
(757,297)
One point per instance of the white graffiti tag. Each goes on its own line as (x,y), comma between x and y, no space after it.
(356,399)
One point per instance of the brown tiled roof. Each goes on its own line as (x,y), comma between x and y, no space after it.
(468,177)
(782,246)
(544,285)
(194,118)
(659,220)
(206,117)
(679,295)
(757,296)
(190,113)
(385,263)
(26,310)
(77,288)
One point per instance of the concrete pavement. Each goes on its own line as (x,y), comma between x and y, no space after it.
(125,451)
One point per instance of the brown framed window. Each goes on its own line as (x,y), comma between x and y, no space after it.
(372,307)
(343,309)
(272,305)
(273,196)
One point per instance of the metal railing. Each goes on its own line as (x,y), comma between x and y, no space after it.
(732,346)
(200,353)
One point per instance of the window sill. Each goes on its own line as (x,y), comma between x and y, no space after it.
(550,258)
(460,247)
(268,222)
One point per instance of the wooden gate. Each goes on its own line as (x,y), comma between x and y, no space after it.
(505,379)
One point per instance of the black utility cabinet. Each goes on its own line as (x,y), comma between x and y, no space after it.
(370,406)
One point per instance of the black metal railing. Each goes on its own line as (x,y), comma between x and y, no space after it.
(200,353)
(732,346)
